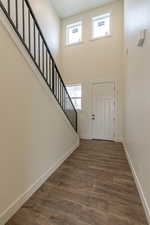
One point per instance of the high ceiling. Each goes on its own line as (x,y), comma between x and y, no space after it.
(65,8)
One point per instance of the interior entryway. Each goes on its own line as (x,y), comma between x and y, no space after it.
(103,113)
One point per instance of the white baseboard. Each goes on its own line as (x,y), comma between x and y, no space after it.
(16,205)
(138,184)
(86,138)
(117,139)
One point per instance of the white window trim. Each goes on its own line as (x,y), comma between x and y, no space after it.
(102,37)
(74,44)
(101,15)
(70,25)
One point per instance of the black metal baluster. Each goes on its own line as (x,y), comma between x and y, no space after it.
(39,48)
(55,79)
(46,67)
(23,21)
(43,57)
(17,14)
(76,125)
(8,2)
(64,98)
(64,94)
(50,72)
(34,39)
(29,30)
(59,91)
(55,83)
(53,76)
(58,88)
(61,95)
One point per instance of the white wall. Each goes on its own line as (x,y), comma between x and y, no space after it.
(95,61)
(137,92)
(50,25)
(35,134)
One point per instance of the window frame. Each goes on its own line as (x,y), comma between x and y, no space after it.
(72,85)
(101,15)
(71,25)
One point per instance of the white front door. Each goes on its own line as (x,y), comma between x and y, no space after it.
(103,115)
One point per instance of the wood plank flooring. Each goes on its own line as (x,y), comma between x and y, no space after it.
(94,186)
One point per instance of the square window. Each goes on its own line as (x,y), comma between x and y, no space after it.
(75,93)
(74,33)
(101,26)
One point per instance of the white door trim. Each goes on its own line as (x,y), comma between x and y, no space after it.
(115,83)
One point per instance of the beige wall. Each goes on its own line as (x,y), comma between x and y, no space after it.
(50,24)
(34,134)
(137,91)
(94,61)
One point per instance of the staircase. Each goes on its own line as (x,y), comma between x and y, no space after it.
(24,23)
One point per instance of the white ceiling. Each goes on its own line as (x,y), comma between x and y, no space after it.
(65,8)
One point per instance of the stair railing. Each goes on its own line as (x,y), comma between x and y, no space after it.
(23,21)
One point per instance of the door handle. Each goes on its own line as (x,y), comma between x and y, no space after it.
(93,116)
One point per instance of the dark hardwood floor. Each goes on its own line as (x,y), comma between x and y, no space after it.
(94,186)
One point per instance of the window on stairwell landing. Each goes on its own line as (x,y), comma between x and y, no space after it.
(101,26)
(75,92)
(74,33)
